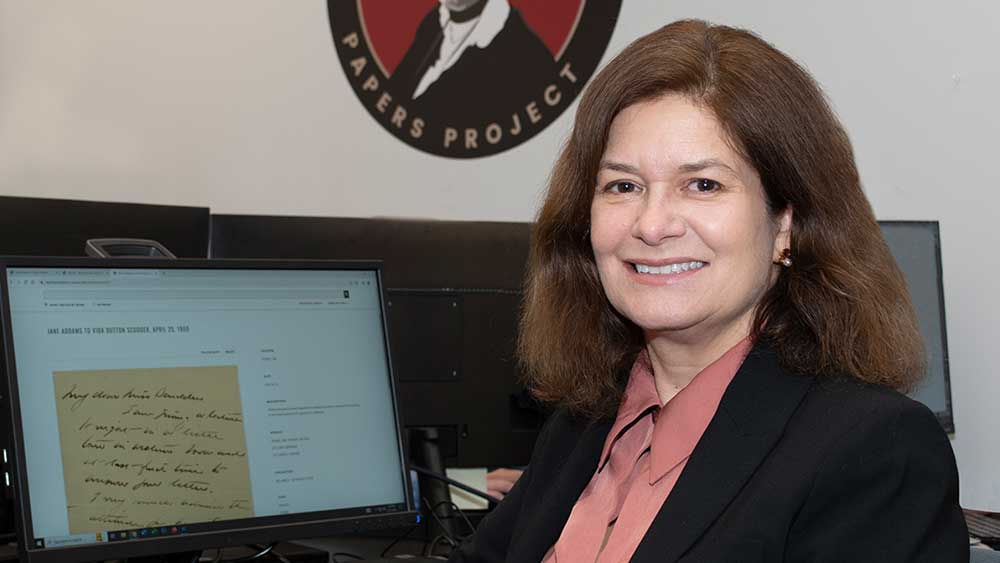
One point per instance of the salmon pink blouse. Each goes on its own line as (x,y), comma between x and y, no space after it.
(644,454)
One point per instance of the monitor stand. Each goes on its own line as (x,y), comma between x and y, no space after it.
(425,448)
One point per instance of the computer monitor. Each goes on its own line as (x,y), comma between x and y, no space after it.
(174,405)
(916,246)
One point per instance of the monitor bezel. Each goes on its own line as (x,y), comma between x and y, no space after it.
(265,529)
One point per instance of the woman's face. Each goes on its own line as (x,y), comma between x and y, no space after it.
(681,232)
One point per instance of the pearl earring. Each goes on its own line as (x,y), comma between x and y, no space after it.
(786,258)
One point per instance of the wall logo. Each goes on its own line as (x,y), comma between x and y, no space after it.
(469,78)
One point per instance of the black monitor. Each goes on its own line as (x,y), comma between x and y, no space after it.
(164,406)
(916,246)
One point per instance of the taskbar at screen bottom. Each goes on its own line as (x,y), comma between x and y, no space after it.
(179,529)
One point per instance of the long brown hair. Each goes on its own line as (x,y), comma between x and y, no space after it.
(843,307)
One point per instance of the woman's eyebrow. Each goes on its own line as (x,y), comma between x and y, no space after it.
(619,167)
(703,164)
(686,168)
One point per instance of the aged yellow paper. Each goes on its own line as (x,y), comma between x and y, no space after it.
(152,447)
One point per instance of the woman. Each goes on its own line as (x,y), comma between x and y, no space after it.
(711,304)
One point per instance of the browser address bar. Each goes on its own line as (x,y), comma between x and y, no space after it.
(185,294)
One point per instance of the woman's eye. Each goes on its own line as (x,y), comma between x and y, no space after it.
(621,187)
(704,185)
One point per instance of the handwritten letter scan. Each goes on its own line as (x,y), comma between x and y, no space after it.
(152,447)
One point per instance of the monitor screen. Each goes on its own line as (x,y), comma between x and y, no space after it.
(917,249)
(171,405)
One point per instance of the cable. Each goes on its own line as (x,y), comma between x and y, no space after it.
(457,484)
(472,529)
(457,539)
(446,535)
(398,539)
(433,510)
(263,551)
(430,551)
(281,558)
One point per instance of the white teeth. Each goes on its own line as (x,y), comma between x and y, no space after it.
(669,268)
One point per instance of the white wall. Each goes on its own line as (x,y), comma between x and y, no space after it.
(241,105)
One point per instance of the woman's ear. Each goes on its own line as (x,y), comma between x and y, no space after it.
(783,240)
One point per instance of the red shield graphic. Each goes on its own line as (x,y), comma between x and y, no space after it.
(469,78)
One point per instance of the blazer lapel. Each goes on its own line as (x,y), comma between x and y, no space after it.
(750,420)
(542,528)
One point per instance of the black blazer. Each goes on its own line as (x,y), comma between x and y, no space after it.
(791,468)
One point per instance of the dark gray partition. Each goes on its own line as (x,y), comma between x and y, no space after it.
(32,226)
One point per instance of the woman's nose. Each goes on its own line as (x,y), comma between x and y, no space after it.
(659,218)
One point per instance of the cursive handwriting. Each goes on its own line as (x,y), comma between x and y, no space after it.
(152,445)
(225,417)
(119,520)
(105,481)
(162,393)
(199,486)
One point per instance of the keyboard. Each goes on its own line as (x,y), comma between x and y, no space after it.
(984,527)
